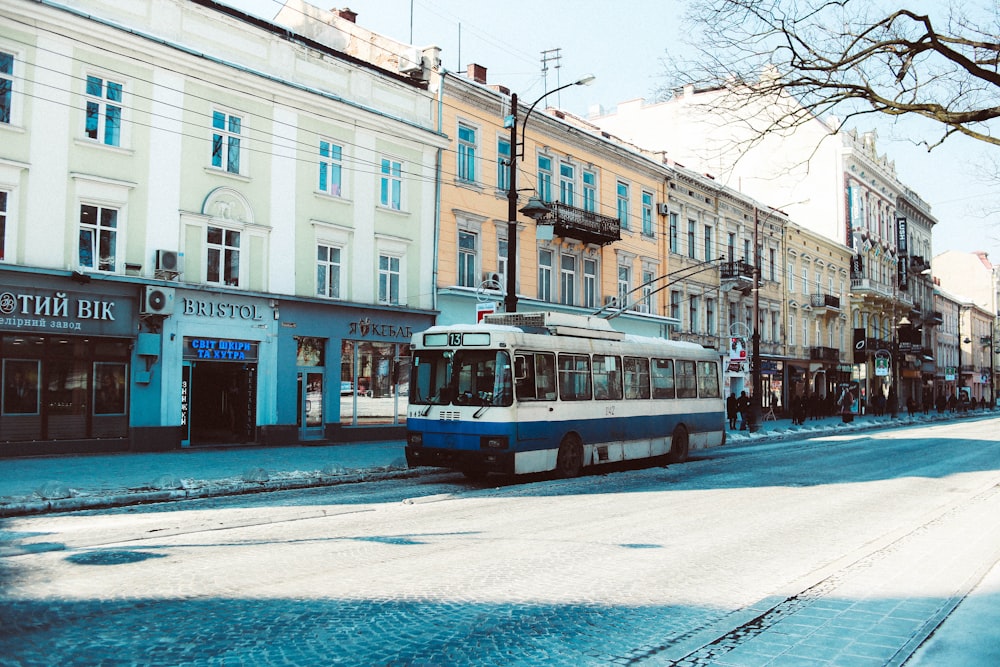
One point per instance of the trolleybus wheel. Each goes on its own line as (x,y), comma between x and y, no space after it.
(679,445)
(569,460)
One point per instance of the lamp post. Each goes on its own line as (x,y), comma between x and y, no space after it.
(535,208)
(755,366)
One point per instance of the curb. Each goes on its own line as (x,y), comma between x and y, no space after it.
(209,489)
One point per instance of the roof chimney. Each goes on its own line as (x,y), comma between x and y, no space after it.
(476,72)
(346,14)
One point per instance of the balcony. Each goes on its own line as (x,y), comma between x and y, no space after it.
(586,226)
(863,286)
(738,270)
(830,354)
(825,304)
(934,318)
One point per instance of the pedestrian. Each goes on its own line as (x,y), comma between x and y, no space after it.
(732,410)
(743,406)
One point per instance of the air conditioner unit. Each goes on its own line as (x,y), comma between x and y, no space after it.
(663,208)
(411,61)
(493,277)
(170,261)
(157,300)
(611,301)
(642,307)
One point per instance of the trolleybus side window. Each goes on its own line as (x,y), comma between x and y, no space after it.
(607,377)
(636,377)
(430,378)
(663,378)
(708,379)
(536,376)
(574,377)
(687,379)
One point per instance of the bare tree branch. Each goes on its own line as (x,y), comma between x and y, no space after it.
(849,57)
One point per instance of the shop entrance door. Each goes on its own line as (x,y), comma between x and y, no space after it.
(310,418)
(222,403)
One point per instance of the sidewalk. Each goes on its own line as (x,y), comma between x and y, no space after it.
(64,483)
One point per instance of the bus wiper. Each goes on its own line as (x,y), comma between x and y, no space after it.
(478,413)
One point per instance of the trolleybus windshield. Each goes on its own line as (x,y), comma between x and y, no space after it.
(461,377)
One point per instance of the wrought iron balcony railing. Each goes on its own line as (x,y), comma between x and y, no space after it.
(825,302)
(736,270)
(586,226)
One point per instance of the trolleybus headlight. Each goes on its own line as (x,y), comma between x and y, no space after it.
(493,442)
(415,439)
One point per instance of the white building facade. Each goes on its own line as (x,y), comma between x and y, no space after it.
(213,229)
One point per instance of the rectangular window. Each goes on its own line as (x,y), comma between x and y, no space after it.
(545,178)
(328,271)
(647,213)
(391,184)
(708,379)
(502,259)
(3,224)
(636,378)
(6,86)
(590,283)
(567,184)
(805,281)
(331,167)
(538,377)
(746,252)
(687,379)
(226,136)
(388,279)
(623,204)
(545,275)
(567,280)
(624,284)
(692,251)
(503,164)
(98,238)
(590,191)
(775,334)
(466,153)
(708,243)
(732,247)
(647,290)
(791,330)
(710,314)
(694,303)
(675,305)
(223,257)
(674,232)
(467,252)
(733,317)
(607,378)
(104,111)
(791,277)
(574,377)
(772,260)
(662,374)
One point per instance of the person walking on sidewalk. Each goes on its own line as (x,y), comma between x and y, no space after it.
(732,410)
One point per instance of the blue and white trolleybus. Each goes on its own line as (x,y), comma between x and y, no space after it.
(533,392)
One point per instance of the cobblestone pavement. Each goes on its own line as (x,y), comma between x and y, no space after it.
(843,551)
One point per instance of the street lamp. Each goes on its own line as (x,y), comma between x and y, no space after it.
(536,208)
(894,392)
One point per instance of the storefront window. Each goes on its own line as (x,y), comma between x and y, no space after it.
(374,378)
(63,387)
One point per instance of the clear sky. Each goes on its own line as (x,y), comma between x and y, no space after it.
(621,42)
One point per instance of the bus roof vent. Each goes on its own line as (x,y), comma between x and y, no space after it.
(560,324)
